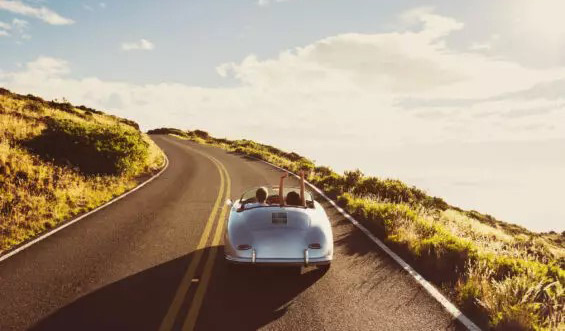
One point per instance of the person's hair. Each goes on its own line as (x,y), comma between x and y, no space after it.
(293,199)
(261,194)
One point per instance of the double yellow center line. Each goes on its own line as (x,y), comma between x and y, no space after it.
(185,284)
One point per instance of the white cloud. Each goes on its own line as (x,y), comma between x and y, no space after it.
(436,26)
(480,46)
(43,13)
(18,27)
(19,24)
(101,5)
(264,3)
(5,26)
(384,89)
(486,45)
(142,44)
(47,67)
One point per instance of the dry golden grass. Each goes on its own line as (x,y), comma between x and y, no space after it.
(35,194)
(496,240)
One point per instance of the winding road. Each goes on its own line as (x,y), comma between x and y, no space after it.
(154,261)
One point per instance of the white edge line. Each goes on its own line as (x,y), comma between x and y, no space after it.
(447,305)
(61,227)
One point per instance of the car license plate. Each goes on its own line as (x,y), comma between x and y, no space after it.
(279,218)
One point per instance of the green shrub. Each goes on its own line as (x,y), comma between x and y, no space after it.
(90,110)
(92,148)
(303,165)
(352,179)
(64,106)
(173,131)
(201,134)
(442,257)
(131,123)
(332,184)
(323,171)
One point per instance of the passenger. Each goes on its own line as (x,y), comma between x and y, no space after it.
(261,197)
(293,199)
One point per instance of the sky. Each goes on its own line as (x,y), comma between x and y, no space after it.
(465,99)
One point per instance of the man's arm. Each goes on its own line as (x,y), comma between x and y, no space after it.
(281,189)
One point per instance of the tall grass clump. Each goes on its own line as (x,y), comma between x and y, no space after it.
(500,274)
(57,161)
(530,299)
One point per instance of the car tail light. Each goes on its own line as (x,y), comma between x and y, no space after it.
(315,246)
(243,247)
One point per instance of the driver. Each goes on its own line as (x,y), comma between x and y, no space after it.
(261,196)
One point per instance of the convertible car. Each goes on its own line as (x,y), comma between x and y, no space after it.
(288,228)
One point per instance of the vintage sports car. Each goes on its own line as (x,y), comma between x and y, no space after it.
(288,228)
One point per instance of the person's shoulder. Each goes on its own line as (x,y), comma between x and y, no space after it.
(256,204)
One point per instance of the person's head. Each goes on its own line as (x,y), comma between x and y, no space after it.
(293,199)
(261,194)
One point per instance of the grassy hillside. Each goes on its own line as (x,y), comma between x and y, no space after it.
(57,161)
(502,275)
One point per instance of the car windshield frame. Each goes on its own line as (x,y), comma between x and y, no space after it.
(273,191)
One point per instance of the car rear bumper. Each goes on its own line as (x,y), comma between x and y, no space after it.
(280,261)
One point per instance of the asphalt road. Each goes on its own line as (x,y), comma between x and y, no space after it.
(132,266)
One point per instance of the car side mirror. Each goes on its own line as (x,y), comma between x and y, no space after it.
(229,202)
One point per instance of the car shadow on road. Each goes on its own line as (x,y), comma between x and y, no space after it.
(236,299)
(249,298)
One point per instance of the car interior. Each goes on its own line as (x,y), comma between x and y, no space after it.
(292,198)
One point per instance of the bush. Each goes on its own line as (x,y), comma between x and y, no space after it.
(62,106)
(352,179)
(303,165)
(201,134)
(173,131)
(90,110)
(221,141)
(92,148)
(332,184)
(34,106)
(323,171)
(391,190)
(131,123)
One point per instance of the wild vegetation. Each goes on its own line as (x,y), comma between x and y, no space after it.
(502,275)
(57,161)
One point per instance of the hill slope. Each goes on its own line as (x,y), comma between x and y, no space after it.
(57,161)
(502,275)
